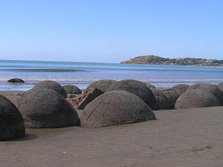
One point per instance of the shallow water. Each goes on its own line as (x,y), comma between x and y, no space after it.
(82,74)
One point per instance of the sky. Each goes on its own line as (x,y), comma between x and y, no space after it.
(110,30)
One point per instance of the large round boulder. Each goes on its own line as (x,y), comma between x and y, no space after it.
(11,121)
(115,108)
(71,89)
(171,95)
(196,98)
(161,100)
(210,88)
(181,88)
(102,85)
(48,84)
(45,108)
(136,87)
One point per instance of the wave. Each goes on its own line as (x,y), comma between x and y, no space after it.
(45,70)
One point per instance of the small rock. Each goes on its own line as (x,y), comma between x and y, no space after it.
(16,80)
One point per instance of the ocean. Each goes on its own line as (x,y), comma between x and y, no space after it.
(82,74)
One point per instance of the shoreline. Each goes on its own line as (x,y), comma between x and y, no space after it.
(188,137)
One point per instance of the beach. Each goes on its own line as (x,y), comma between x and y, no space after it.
(188,137)
(111,83)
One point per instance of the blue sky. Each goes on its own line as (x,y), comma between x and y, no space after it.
(110,30)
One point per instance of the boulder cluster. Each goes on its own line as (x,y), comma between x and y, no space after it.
(103,103)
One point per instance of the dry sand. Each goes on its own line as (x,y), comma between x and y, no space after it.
(179,138)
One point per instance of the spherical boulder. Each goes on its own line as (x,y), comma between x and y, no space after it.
(71,89)
(161,100)
(210,88)
(102,85)
(16,80)
(171,95)
(45,108)
(181,88)
(11,121)
(48,84)
(136,87)
(115,108)
(196,98)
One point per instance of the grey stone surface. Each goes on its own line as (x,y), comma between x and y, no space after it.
(115,108)
(181,88)
(214,89)
(48,84)
(171,95)
(161,100)
(103,85)
(13,96)
(136,87)
(196,98)
(45,108)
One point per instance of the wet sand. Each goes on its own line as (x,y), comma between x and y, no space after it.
(179,138)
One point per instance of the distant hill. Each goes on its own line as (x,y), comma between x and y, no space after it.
(151,59)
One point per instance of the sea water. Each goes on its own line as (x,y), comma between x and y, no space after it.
(82,74)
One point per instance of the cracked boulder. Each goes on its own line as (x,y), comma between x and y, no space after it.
(115,108)
(136,87)
(214,89)
(196,98)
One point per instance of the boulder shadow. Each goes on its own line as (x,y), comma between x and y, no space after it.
(27,137)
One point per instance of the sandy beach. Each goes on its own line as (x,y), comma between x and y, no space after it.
(185,138)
